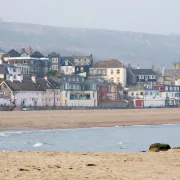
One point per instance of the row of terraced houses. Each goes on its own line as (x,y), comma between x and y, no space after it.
(81,81)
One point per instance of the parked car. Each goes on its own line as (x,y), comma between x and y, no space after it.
(25,109)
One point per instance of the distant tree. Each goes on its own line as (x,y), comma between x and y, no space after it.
(52,73)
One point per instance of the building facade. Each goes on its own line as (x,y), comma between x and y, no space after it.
(32,92)
(111,70)
(140,75)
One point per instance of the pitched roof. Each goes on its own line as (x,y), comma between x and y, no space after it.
(111,63)
(172,72)
(82,57)
(28,85)
(37,54)
(69,58)
(13,53)
(143,72)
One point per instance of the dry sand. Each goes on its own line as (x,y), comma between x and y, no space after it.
(86,118)
(92,166)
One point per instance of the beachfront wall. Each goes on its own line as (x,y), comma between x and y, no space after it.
(79,98)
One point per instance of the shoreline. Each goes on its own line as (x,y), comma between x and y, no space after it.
(70,119)
(27,129)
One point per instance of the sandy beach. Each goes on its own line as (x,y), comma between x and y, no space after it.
(18,120)
(101,166)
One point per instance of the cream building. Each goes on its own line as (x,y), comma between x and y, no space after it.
(112,70)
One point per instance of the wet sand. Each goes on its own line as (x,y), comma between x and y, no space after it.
(19,120)
(92,166)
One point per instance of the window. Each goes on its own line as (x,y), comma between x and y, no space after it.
(151,93)
(166,88)
(67,69)
(54,60)
(82,69)
(141,77)
(25,62)
(174,88)
(141,93)
(118,71)
(66,63)
(112,72)
(77,69)
(118,79)
(14,76)
(132,94)
(146,93)
(14,70)
(104,71)
(153,77)
(171,88)
(177,88)
(112,79)
(76,60)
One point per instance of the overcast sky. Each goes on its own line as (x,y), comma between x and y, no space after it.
(152,16)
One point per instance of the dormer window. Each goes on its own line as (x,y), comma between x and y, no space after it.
(141,77)
(66,63)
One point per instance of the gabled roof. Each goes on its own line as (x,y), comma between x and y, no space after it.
(28,85)
(172,72)
(82,57)
(37,54)
(69,58)
(13,53)
(111,63)
(137,72)
(82,62)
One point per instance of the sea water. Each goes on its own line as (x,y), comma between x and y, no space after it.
(107,139)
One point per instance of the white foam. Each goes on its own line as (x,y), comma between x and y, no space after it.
(121,142)
(38,144)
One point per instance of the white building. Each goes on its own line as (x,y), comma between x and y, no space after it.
(171,94)
(79,98)
(32,92)
(144,96)
(109,70)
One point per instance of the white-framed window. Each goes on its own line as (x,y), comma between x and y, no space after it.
(66,62)
(54,60)
(118,71)
(76,60)
(112,72)
(170,88)
(141,77)
(166,88)
(153,77)
(177,88)
(82,69)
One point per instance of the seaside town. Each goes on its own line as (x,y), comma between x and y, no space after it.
(30,79)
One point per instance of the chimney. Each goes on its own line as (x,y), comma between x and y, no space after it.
(33,78)
(46,78)
(19,77)
(30,51)
(11,77)
(23,50)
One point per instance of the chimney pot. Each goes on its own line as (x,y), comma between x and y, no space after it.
(33,78)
